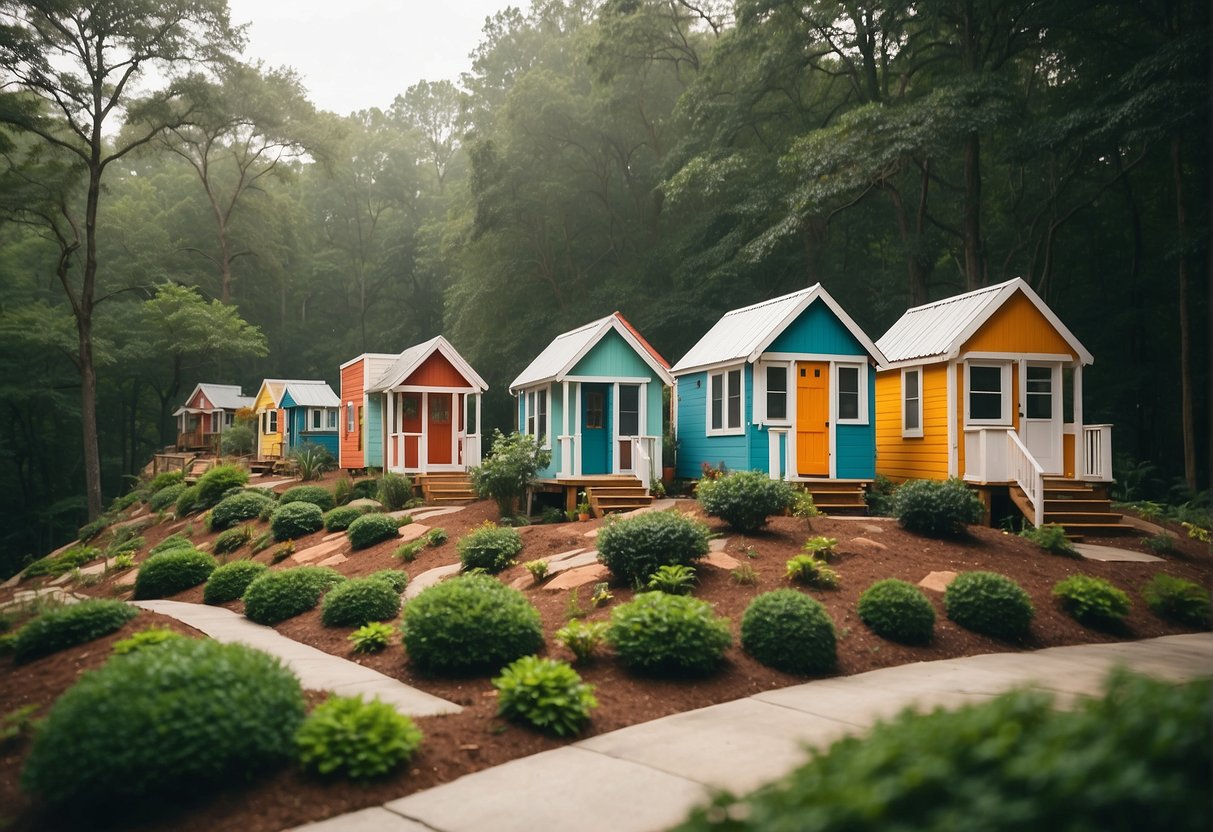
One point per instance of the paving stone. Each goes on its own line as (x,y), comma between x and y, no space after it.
(320,550)
(333,561)
(126,578)
(656,505)
(413,531)
(586,558)
(865,544)
(11,582)
(721,560)
(872,529)
(1112,554)
(332,536)
(426,512)
(577,577)
(375,819)
(428,578)
(27,597)
(62,579)
(592,533)
(937,581)
(718,544)
(554,559)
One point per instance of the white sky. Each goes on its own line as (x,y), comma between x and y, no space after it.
(355,54)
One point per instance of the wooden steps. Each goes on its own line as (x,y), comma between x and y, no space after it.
(838,497)
(197,467)
(611,495)
(1081,508)
(447,488)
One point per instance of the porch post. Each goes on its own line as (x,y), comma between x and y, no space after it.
(423,443)
(577,434)
(1078,397)
(389,447)
(566,442)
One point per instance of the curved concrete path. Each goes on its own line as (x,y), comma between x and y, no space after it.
(316,669)
(648,776)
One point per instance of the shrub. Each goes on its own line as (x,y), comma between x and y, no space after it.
(187,501)
(394,491)
(238,440)
(277,596)
(312,460)
(364,490)
(163,480)
(675,580)
(360,601)
(744,499)
(167,721)
(1161,544)
(633,548)
(803,506)
(1052,538)
(670,634)
(165,497)
(262,542)
(243,505)
(489,547)
(232,539)
(806,569)
(372,637)
(789,631)
(744,575)
(370,529)
(897,610)
(880,496)
(296,520)
(435,537)
(66,561)
(144,639)
(173,541)
(68,626)
(510,469)
(1092,601)
(171,572)
(229,581)
(989,603)
(1178,600)
(90,530)
(545,694)
(397,579)
(937,508)
(582,638)
(821,548)
(315,494)
(470,623)
(216,482)
(408,552)
(537,568)
(357,739)
(339,519)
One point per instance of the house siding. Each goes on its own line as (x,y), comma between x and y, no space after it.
(1018,327)
(694,445)
(352,385)
(816,330)
(373,419)
(925,457)
(612,357)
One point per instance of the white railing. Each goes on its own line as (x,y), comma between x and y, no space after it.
(1028,474)
(642,459)
(774,457)
(400,444)
(568,453)
(1096,452)
(986,455)
(471,450)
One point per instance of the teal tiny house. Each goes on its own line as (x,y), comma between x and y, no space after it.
(311,412)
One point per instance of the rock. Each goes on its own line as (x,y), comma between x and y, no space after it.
(126,578)
(937,581)
(413,531)
(577,577)
(332,536)
(333,561)
(320,550)
(718,544)
(722,561)
(430,577)
(864,544)
(365,502)
(585,558)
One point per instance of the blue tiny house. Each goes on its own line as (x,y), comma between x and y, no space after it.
(311,411)
(785,386)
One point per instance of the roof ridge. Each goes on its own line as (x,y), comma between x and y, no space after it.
(643,341)
(972,293)
(770,301)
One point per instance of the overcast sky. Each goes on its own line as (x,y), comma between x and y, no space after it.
(354,54)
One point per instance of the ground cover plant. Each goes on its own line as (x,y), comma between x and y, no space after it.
(789,631)
(173,571)
(546,694)
(243,505)
(339,519)
(1052,538)
(317,495)
(393,491)
(635,547)
(1178,599)
(372,637)
(347,736)
(811,571)
(58,629)
(582,638)
(144,639)
(937,508)
(173,541)
(989,603)
(278,595)
(229,581)
(675,579)
(166,496)
(669,634)
(489,547)
(55,565)
(370,529)
(897,610)
(397,579)
(231,540)
(744,499)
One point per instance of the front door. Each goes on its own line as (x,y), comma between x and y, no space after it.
(595,446)
(409,414)
(439,441)
(1040,418)
(813,419)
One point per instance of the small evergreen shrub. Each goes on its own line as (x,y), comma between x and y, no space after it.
(144,639)
(789,631)
(317,495)
(360,601)
(229,581)
(277,596)
(744,499)
(509,470)
(372,637)
(394,491)
(489,547)
(162,481)
(296,520)
(171,572)
(582,638)
(66,561)
(370,529)
(675,580)
(989,603)
(470,623)
(68,626)
(1093,601)
(339,519)
(937,508)
(166,496)
(1161,544)
(346,736)
(633,548)
(1178,600)
(669,634)
(806,569)
(187,501)
(897,610)
(173,541)
(364,490)
(545,694)
(408,552)
(243,505)
(1052,538)
(538,569)
(216,482)
(803,506)
(232,539)
(397,579)
(435,537)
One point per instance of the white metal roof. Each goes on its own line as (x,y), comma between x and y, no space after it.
(277,386)
(226,396)
(311,395)
(744,334)
(560,356)
(408,361)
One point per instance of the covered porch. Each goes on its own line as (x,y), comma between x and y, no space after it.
(432,429)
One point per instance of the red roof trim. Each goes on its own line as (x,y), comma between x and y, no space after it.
(656,355)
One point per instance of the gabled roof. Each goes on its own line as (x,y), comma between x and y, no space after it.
(937,331)
(222,396)
(310,395)
(277,387)
(561,355)
(408,361)
(744,334)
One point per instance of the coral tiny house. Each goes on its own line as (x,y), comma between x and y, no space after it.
(274,435)
(784,386)
(987,386)
(311,414)
(207,411)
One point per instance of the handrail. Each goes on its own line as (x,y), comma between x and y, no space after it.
(642,461)
(1028,475)
(1097,452)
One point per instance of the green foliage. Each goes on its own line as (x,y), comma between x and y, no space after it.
(789,631)
(163,480)
(811,571)
(343,491)
(90,530)
(509,470)
(372,637)
(229,581)
(216,482)
(65,561)
(232,539)
(803,506)
(173,541)
(370,529)
(937,508)
(469,624)
(243,505)
(1161,543)
(821,548)
(1093,601)
(166,496)
(1052,538)
(238,440)
(312,460)
(489,547)
(394,491)
(187,501)
(339,519)
(360,601)
(601,594)
(296,520)
(537,568)
(144,639)
(58,629)
(171,572)
(435,537)
(1178,600)
(355,739)
(277,596)
(582,638)
(744,575)
(317,495)
(669,634)
(880,496)
(745,499)
(674,579)
(17,723)
(633,548)
(408,552)
(189,714)
(545,694)
(263,542)
(989,603)
(397,579)
(365,490)
(897,610)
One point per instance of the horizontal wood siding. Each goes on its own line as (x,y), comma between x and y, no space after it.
(436,371)
(856,444)
(1018,327)
(352,386)
(917,458)
(817,330)
(695,447)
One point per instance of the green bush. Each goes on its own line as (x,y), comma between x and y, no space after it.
(394,491)
(312,460)
(582,638)
(356,739)
(669,634)
(806,569)
(373,637)
(277,596)
(675,580)
(339,519)
(163,480)
(68,626)
(468,624)
(397,579)
(182,717)
(489,547)
(165,497)
(1178,600)
(187,501)
(218,481)
(317,495)
(243,505)
(1093,601)
(66,561)
(296,520)
(435,537)
(509,470)
(365,490)
(370,529)
(633,548)
(989,603)
(789,631)
(744,499)
(897,610)
(90,530)
(238,440)
(229,581)
(173,541)
(151,637)
(1052,538)
(171,572)
(408,552)
(545,694)
(359,602)
(232,539)
(937,508)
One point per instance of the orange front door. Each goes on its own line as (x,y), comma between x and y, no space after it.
(813,419)
(438,440)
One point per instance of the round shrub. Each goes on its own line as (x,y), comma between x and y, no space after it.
(545,694)
(1178,600)
(243,505)
(370,529)
(68,626)
(182,716)
(989,603)
(633,548)
(357,739)
(1092,601)
(937,508)
(897,610)
(296,520)
(187,501)
(163,480)
(468,624)
(166,496)
(359,602)
(277,596)
(171,572)
(789,631)
(670,634)
(397,579)
(393,491)
(744,499)
(173,541)
(218,481)
(231,540)
(314,494)
(489,547)
(229,581)
(339,519)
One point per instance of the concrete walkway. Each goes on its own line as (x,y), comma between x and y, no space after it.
(648,776)
(316,669)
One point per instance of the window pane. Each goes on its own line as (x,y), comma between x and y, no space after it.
(985,392)
(593,410)
(332,420)
(629,410)
(543,413)
(440,409)
(734,398)
(1039,404)
(316,424)
(985,379)
(910,400)
(848,392)
(717,383)
(985,405)
(777,392)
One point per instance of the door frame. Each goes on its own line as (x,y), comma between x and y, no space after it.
(1056,419)
(829,417)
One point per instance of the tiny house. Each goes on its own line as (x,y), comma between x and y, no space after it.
(310,413)
(272,428)
(207,412)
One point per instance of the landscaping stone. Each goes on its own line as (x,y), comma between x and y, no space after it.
(412,531)
(365,502)
(320,550)
(721,560)
(577,577)
(718,544)
(11,582)
(426,512)
(332,536)
(865,544)
(1142,525)
(126,578)
(585,557)
(656,505)
(1111,554)
(937,581)
(27,597)
(333,561)
(430,577)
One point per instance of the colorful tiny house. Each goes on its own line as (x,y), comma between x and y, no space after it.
(785,386)
(310,413)
(987,386)
(207,412)
(612,380)
(272,428)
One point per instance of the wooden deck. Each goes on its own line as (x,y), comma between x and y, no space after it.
(606,493)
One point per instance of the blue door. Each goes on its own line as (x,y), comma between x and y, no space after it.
(595,429)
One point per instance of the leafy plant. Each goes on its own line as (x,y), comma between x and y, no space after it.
(372,637)
(232,539)
(277,596)
(394,491)
(397,579)
(144,639)
(263,542)
(370,529)
(124,561)
(676,579)
(1161,543)
(317,495)
(806,569)
(17,723)
(360,601)
(343,491)
(537,568)
(633,548)
(312,460)
(339,519)
(880,496)
(601,595)
(1093,601)
(669,634)
(173,541)
(435,537)
(582,638)
(744,575)
(229,581)
(66,561)
(171,572)
(357,739)
(489,547)
(803,506)
(294,520)
(545,694)
(163,480)
(821,548)
(789,631)
(1052,538)
(989,603)
(1179,600)
(1196,532)
(238,440)
(573,608)
(187,501)
(212,485)
(64,627)
(937,508)
(509,470)
(243,505)
(166,496)
(897,610)
(408,552)
(744,499)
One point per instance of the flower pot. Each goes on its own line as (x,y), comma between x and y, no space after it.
(583,516)
(667,476)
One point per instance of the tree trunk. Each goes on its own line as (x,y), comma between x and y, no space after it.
(973,254)
(1185,327)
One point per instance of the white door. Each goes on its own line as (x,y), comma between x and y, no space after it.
(1040,421)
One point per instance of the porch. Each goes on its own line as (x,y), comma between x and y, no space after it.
(631,457)
(432,430)
(606,494)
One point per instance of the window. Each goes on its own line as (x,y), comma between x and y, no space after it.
(331,422)
(986,402)
(848,393)
(440,409)
(629,410)
(593,410)
(214,423)
(1039,398)
(271,421)
(777,393)
(228,418)
(724,393)
(528,402)
(536,403)
(317,419)
(911,402)
(349,417)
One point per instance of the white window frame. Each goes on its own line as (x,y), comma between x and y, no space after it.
(861,415)
(228,418)
(330,419)
(532,413)
(726,429)
(271,422)
(349,417)
(315,414)
(1004,419)
(911,433)
(761,389)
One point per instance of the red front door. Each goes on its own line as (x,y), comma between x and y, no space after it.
(438,440)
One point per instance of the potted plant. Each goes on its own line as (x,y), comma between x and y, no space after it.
(583,506)
(669,451)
